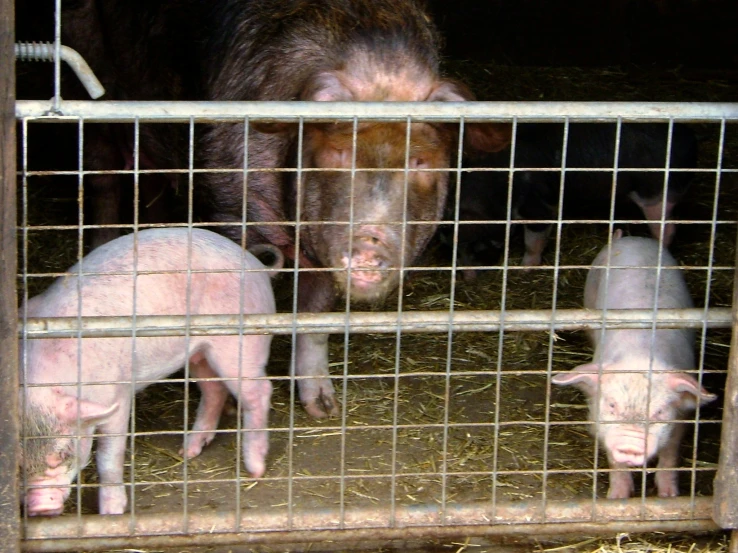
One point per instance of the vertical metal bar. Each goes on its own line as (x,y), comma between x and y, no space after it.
(709,275)
(80,254)
(503,307)
(57,56)
(188,311)
(347,331)
(9,430)
(299,176)
(725,509)
(450,336)
(554,300)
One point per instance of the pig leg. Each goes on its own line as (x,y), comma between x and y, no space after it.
(667,481)
(317,393)
(621,480)
(535,243)
(111,449)
(652,211)
(254,393)
(212,399)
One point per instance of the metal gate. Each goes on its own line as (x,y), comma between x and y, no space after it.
(449,424)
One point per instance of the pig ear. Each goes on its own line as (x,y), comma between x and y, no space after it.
(450,91)
(487,137)
(484,137)
(67,408)
(689,390)
(326,86)
(584,377)
(322,87)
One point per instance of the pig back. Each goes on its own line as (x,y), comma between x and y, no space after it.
(632,284)
(632,279)
(161,284)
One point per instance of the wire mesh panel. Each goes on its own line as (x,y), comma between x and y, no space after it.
(445,414)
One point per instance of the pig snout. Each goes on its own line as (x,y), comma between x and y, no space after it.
(370,258)
(45,501)
(630,445)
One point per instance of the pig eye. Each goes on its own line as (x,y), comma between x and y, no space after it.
(612,406)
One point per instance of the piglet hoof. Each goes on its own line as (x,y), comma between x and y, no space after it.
(667,484)
(195,443)
(470,275)
(531,260)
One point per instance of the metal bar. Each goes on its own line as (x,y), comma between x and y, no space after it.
(209,528)
(376,322)
(421,111)
(365,539)
(9,426)
(44,51)
(726,479)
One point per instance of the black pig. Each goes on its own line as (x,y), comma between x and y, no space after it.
(535,194)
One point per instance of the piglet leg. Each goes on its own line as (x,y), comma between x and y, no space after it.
(667,481)
(535,243)
(653,213)
(621,481)
(255,402)
(111,449)
(212,399)
(248,384)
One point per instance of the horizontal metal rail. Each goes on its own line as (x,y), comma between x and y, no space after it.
(173,112)
(373,322)
(260,526)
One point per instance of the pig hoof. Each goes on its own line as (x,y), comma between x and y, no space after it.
(321,407)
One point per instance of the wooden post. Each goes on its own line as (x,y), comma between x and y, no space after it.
(725,509)
(9,512)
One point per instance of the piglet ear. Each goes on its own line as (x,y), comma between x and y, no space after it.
(585,377)
(689,390)
(67,408)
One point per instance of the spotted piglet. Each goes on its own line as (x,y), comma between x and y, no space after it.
(73,389)
(636,385)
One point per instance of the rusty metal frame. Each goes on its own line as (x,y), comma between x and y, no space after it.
(9,516)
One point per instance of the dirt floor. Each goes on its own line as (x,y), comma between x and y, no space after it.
(431,417)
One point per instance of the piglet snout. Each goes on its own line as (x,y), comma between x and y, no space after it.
(45,502)
(629,446)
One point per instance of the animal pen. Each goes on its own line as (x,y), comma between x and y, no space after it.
(449,425)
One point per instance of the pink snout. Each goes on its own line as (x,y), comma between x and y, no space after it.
(47,502)
(369,258)
(628,446)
